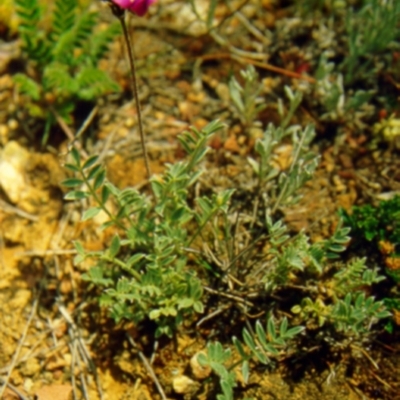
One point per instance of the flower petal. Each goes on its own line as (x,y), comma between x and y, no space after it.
(122,3)
(138,7)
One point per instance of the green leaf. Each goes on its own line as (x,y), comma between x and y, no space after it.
(105,193)
(198,306)
(271,329)
(202,359)
(99,43)
(72,182)
(185,303)
(133,260)
(72,167)
(292,332)
(337,248)
(57,79)
(76,156)
(94,171)
(76,195)
(283,327)
(114,246)
(78,259)
(296,309)
(99,180)
(211,13)
(219,369)
(261,334)
(154,314)
(63,16)
(227,389)
(169,311)
(27,86)
(239,348)
(245,371)
(94,82)
(79,248)
(89,162)
(90,213)
(251,344)
(255,165)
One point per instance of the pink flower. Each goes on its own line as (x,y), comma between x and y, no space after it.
(138,7)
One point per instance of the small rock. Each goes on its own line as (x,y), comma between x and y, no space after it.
(21,299)
(31,367)
(28,385)
(54,392)
(198,370)
(12,164)
(183,384)
(340,187)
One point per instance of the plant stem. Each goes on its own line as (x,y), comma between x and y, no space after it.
(121,16)
(100,203)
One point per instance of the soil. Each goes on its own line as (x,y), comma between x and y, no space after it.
(55,340)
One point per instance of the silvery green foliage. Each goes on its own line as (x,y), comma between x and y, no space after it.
(370,30)
(356,313)
(246,98)
(281,186)
(216,358)
(348,308)
(287,257)
(330,92)
(64,58)
(144,273)
(355,276)
(263,345)
(267,342)
(353,315)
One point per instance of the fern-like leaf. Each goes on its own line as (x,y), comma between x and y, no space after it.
(94,83)
(63,50)
(29,14)
(77,36)
(84,28)
(63,17)
(34,44)
(98,46)
(27,86)
(57,78)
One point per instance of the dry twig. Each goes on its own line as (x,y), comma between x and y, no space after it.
(148,367)
(20,344)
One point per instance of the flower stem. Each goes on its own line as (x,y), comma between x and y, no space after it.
(120,14)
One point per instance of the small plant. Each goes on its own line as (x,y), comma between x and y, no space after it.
(176,249)
(370,30)
(262,345)
(266,342)
(344,304)
(376,224)
(387,130)
(336,100)
(310,6)
(216,358)
(246,99)
(379,227)
(147,273)
(64,59)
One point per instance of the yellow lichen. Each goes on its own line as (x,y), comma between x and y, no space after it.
(389,128)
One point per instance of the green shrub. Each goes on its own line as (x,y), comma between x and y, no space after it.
(375,224)
(178,247)
(370,30)
(63,57)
